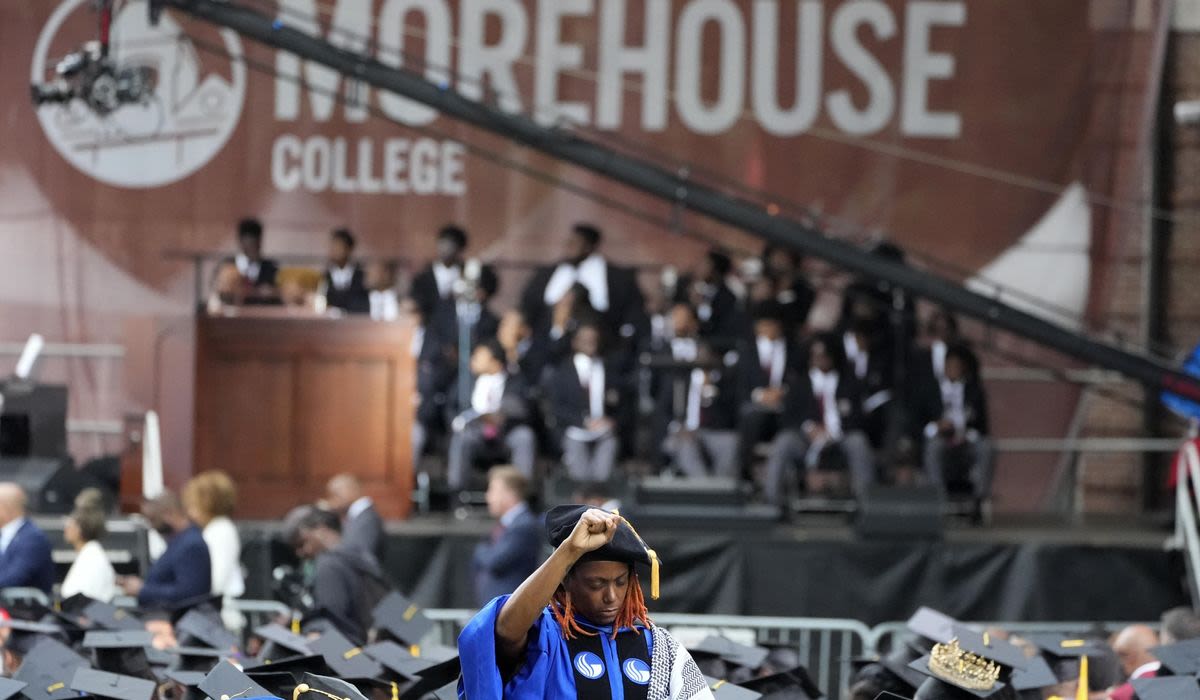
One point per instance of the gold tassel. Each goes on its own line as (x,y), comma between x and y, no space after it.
(1081,692)
(395,691)
(653,574)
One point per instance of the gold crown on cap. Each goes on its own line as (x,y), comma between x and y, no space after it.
(950,663)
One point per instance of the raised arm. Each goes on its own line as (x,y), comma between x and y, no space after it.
(594,530)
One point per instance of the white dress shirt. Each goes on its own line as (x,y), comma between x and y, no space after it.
(9,532)
(824,386)
(247,268)
(91,574)
(488,393)
(938,352)
(772,354)
(342,276)
(953,408)
(592,273)
(225,556)
(445,276)
(591,374)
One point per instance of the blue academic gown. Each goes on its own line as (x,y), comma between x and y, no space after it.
(547,673)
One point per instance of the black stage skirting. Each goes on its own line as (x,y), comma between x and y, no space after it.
(1034,575)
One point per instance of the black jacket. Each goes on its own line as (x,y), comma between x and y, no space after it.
(624,320)
(802,405)
(567,403)
(354,299)
(347,584)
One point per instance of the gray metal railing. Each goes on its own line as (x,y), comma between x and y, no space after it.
(1187,505)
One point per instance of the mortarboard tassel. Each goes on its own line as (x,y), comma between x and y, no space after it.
(649,552)
(1081,691)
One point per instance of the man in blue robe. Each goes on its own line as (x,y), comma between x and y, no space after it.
(578,627)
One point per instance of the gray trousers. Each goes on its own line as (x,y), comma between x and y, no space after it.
(419,436)
(704,452)
(977,454)
(791,449)
(590,461)
(467,444)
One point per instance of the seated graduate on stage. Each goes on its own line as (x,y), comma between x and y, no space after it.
(578,626)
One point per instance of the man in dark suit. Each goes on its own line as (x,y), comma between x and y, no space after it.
(183,572)
(583,395)
(347,582)
(258,273)
(344,282)
(824,426)
(513,550)
(951,416)
(495,421)
(695,398)
(794,292)
(24,550)
(361,525)
(612,291)
(722,319)
(767,367)
(434,285)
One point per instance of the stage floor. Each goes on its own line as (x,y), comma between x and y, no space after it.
(1018,568)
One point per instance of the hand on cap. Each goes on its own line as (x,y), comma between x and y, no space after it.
(595,529)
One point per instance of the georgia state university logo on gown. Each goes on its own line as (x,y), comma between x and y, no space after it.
(589,665)
(636,670)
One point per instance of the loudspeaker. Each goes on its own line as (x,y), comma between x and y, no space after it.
(900,512)
(31,474)
(34,423)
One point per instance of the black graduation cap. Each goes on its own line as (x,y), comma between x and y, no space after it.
(898,661)
(1180,658)
(10,688)
(94,613)
(396,659)
(626,545)
(724,690)
(198,628)
(225,682)
(447,692)
(1167,688)
(207,603)
(1037,674)
(23,634)
(743,655)
(1063,653)
(794,684)
(122,652)
(279,683)
(48,669)
(279,643)
(345,658)
(932,625)
(433,678)
(295,665)
(102,684)
(938,679)
(195,658)
(402,619)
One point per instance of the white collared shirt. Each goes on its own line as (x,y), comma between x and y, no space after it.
(246,267)
(510,516)
(824,386)
(1141,671)
(591,372)
(773,355)
(8,533)
(488,393)
(695,396)
(445,276)
(592,273)
(356,508)
(684,349)
(953,408)
(342,276)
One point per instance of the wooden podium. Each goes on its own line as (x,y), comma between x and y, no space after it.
(284,403)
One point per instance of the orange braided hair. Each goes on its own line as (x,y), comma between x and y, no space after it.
(632,613)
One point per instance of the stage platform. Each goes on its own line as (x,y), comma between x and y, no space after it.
(1022,569)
